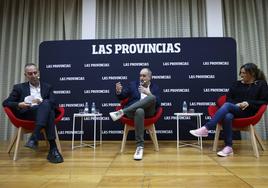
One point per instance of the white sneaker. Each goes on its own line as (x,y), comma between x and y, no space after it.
(116,115)
(139,153)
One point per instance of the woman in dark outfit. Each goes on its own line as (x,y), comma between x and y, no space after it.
(243,100)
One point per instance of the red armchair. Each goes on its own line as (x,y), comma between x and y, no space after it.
(149,125)
(27,126)
(241,124)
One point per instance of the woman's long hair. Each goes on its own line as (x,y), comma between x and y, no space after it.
(254,71)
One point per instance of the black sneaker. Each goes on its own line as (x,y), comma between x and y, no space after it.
(32,144)
(54,156)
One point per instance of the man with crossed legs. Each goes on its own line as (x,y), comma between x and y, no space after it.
(143,101)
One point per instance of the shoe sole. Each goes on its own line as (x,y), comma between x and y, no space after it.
(55,161)
(137,159)
(193,133)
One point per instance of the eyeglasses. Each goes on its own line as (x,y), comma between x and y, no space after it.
(31,73)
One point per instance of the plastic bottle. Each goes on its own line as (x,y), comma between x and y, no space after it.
(184,107)
(93,108)
(86,108)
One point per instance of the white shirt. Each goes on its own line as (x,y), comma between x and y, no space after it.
(35,92)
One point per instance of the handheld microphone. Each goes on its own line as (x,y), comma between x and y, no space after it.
(142,82)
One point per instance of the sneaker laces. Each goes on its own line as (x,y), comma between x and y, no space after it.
(118,113)
(227,149)
(138,150)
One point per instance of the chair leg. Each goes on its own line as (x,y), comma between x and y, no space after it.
(253,141)
(126,130)
(12,142)
(216,138)
(58,140)
(153,136)
(259,140)
(17,143)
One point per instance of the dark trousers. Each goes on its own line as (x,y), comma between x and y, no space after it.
(138,111)
(43,115)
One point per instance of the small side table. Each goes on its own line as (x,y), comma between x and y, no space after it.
(198,123)
(94,117)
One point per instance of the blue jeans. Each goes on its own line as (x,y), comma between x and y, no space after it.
(225,114)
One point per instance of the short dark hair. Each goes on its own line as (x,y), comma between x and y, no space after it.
(30,64)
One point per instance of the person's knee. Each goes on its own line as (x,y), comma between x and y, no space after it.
(152,98)
(227,105)
(229,117)
(139,112)
(45,103)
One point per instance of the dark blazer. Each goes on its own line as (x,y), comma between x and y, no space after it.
(132,92)
(22,90)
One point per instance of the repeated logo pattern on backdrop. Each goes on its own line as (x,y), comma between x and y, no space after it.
(195,70)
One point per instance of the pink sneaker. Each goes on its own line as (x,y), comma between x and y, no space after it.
(226,151)
(203,132)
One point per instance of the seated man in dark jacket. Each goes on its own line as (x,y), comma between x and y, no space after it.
(34,100)
(143,101)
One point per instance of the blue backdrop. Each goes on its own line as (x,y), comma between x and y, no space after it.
(196,70)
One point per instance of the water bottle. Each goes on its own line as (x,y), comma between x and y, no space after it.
(184,107)
(86,108)
(93,108)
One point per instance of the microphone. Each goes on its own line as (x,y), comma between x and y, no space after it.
(142,82)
